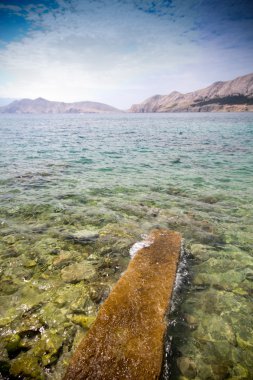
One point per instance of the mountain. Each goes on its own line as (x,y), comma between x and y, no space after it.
(235,95)
(41,105)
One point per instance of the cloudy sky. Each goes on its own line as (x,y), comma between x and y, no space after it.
(121,51)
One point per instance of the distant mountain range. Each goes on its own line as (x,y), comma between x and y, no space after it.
(230,96)
(234,96)
(40,105)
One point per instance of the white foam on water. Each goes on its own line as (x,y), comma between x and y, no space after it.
(140,244)
(181,275)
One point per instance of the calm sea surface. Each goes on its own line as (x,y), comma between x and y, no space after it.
(78,190)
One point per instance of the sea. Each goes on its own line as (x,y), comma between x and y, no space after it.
(77,191)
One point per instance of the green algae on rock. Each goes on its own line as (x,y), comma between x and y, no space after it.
(77,272)
(208,198)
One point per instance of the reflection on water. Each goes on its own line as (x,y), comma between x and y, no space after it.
(77,191)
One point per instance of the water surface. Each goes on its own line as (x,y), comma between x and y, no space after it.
(78,190)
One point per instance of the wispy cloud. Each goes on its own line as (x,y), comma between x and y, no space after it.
(119,51)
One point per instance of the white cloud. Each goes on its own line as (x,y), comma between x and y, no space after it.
(112,52)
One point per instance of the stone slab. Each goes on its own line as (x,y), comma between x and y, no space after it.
(127,339)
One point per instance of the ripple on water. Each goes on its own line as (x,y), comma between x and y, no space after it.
(68,174)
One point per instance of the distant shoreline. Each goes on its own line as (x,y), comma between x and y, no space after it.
(231,96)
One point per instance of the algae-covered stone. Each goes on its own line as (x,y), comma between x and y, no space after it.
(240,372)
(73,296)
(192,321)
(48,346)
(84,236)
(12,343)
(44,352)
(78,272)
(215,329)
(47,246)
(94,257)
(220,280)
(53,316)
(119,231)
(211,199)
(221,349)
(4,361)
(83,320)
(199,251)
(99,293)
(240,291)
(244,338)
(27,365)
(249,275)
(187,367)
(29,326)
(63,259)
(8,286)
(9,239)
(220,370)
(29,263)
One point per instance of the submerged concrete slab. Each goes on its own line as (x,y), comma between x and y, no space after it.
(126,340)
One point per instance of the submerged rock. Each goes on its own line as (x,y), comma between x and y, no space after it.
(12,343)
(78,272)
(4,361)
(83,236)
(99,293)
(44,352)
(244,338)
(8,286)
(63,259)
(29,325)
(47,246)
(187,367)
(211,199)
(83,320)
(29,263)
(27,366)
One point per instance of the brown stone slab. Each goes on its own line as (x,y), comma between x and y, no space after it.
(126,340)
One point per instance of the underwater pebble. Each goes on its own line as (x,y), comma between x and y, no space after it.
(249,276)
(63,259)
(8,287)
(187,367)
(78,272)
(191,320)
(29,263)
(83,236)
(9,239)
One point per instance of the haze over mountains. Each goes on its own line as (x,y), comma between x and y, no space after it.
(235,95)
(5,101)
(230,96)
(40,105)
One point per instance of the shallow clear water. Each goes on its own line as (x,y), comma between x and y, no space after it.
(78,190)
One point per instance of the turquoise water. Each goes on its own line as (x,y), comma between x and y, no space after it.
(78,190)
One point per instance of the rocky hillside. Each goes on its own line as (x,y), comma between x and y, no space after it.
(41,105)
(235,95)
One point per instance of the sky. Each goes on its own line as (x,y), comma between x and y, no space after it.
(121,52)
